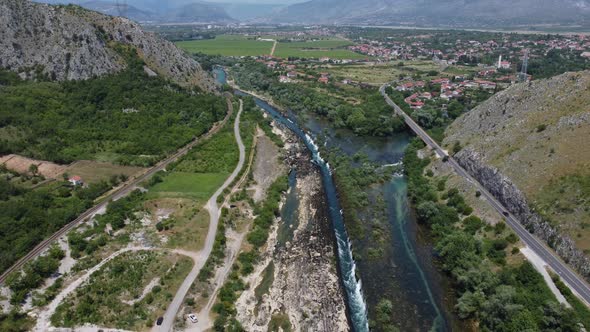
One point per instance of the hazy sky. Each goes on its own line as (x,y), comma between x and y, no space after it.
(181,1)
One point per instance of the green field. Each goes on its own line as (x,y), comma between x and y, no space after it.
(188,185)
(233,45)
(335,49)
(228,45)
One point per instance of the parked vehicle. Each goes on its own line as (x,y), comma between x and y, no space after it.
(193,318)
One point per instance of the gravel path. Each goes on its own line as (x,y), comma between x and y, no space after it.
(43,321)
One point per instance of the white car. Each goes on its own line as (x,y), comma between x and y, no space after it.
(193,318)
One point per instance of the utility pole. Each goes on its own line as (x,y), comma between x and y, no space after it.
(523,77)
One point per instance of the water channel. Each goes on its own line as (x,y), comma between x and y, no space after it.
(406,274)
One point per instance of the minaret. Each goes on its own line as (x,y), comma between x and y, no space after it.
(500,62)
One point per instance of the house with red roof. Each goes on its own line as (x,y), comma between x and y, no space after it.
(76,180)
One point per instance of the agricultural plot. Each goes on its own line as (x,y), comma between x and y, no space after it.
(374,73)
(231,45)
(177,199)
(334,49)
(93,172)
(227,45)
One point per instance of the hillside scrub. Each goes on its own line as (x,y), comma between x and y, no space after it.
(265,213)
(500,297)
(104,300)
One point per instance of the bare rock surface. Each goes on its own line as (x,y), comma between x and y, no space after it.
(72,43)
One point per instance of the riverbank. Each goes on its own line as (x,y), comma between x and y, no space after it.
(296,278)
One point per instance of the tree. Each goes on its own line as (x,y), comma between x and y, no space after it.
(34,169)
(427,210)
(469,304)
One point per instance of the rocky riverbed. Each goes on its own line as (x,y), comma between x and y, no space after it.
(297,284)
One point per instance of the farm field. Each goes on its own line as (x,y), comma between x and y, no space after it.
(199,186)
(334,48)
(92,171)
(178,199)
(227,45)
(233,45)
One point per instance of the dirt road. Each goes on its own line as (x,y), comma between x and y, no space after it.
(214,213)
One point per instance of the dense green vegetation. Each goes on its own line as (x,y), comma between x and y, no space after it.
(353,177)
(383,321)
(15,321)
(30,215)
(370,117)
(114,118)
(34,273)
(500,297)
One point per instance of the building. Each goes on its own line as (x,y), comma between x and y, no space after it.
(76,180)
(284,79)
(324,80)
(292,74)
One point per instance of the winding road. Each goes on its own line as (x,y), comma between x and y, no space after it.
(203,255)
(575,282)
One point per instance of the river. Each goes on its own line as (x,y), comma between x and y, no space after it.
(405,274)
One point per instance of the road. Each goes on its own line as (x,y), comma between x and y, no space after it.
(575,282)
(234,243)
(115,195)
(214,213)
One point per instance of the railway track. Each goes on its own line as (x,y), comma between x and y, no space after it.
(115,195)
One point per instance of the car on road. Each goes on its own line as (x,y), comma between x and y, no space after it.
(193,318)
(159,321)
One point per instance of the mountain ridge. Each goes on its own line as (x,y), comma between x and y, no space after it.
(437,13)
(72,43)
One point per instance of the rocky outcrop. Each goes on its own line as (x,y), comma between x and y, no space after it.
(72,43)
(515,201)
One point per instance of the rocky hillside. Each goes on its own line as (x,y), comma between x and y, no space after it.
(530,146)
(72,43)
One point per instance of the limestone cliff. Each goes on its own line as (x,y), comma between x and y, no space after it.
(72,43)
(528,145)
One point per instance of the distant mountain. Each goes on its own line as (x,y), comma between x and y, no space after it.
(197,12)
(248,11)
(73,43)
(118,9)
(144,11)
(466,13)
